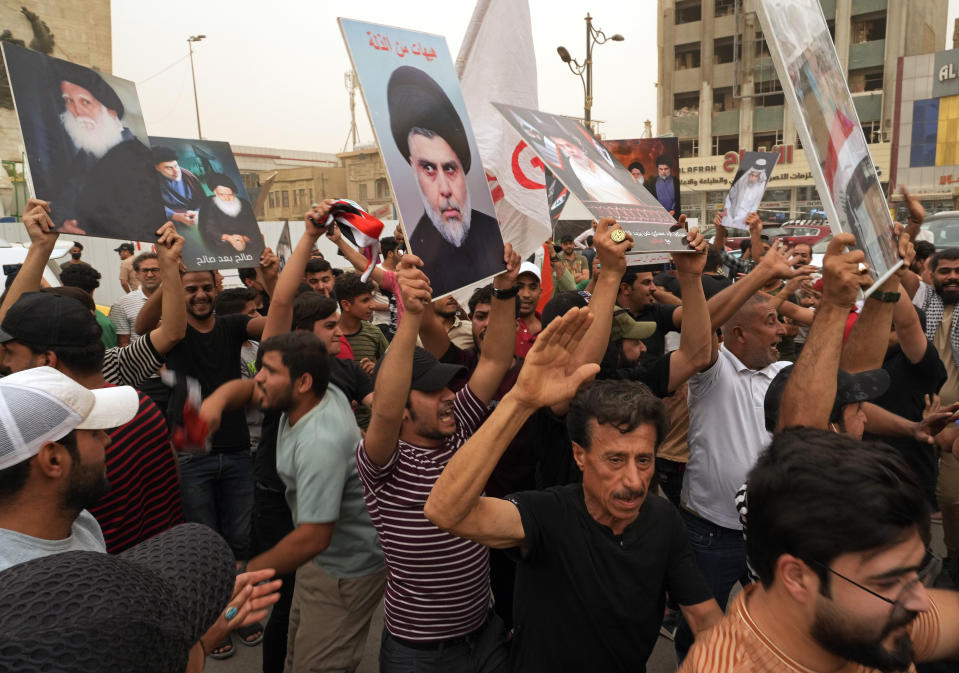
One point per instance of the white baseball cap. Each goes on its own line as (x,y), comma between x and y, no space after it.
(41,405)
(529,267)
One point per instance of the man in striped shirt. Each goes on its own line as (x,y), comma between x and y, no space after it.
(837,534)
(438,599)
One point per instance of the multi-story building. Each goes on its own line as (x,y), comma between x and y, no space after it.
(719,92)
(293,190)
(367,183)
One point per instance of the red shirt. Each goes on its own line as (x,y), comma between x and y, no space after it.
(525,338)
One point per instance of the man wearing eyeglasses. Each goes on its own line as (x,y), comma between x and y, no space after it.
(124,312)
(837,534)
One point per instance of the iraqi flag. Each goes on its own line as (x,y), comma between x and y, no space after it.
(360,228)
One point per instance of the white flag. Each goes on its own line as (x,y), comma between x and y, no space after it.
(496,63)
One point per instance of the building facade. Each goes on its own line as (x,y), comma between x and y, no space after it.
(719,93)
(925,151)
(294,190)
(367,183)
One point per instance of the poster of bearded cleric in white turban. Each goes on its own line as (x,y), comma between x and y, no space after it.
(597,179)
(86,146)
(419,117)
(204,196)
(749,185)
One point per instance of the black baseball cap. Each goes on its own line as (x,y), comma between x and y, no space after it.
(48,319)
(124,246)
(850,388)
(429,374)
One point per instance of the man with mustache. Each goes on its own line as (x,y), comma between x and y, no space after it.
(110,189)
(837,531)
(458,245)
(615,551)
(180,189)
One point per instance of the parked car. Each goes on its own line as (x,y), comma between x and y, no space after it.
(806,231)
(944,227)
(13,254)
(736,236)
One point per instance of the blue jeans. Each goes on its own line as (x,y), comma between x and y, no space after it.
(217,491)
(483,651)
(721,556)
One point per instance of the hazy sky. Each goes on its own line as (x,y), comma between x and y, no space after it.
(271,73)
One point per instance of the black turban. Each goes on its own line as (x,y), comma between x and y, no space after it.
(220,180)
(89,80)
(162,154)
(416,100)
(662,160)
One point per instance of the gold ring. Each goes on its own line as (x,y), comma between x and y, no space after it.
(618,235)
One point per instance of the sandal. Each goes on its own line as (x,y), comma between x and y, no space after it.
(224,649)
(250,635)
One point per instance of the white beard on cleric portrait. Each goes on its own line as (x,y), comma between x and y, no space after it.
(228,208)
(96,136)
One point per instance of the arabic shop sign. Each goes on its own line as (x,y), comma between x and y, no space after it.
(945,74)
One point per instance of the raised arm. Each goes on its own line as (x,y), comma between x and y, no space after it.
(43,238)
(433,334)
(811,390)
(912,338)
(172,328)
(719,238)
(456,503)
(869,339)
(392,386)
(354,256)
(696,335)
(280,315)
(499,344)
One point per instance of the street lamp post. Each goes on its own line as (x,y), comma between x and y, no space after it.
(190,40)
(594,36)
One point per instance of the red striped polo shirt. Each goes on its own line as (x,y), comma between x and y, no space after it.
(438,585)
(144,497)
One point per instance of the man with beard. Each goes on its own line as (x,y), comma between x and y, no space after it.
(110,190)
(52,462)
(837,534)
(458,245)
(225,219)
(745,195)
(180,189)
(665,186)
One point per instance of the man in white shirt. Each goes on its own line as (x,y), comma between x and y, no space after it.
(123,313)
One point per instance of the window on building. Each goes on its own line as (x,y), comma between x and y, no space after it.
(762,49)
(687,55)
(294,198)
(286,198)
(363,192)
(382,188)
(311,196)
(764,142)
(688,11)
(723,144)
(688,102)
(865,79)
(868,27)
(272,201)
(723,99)
(303,197)
(831,25)
(726,7)
(688,148)
(724,50)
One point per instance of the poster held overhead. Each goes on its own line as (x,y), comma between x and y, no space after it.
(205,198)
(419,118)
(816,91)
(748,187)
(653,163)
(86,146)
(590,172)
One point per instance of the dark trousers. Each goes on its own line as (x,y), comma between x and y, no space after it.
(217,491)
(271,522)
(483,651)
(669,475)
(721,556)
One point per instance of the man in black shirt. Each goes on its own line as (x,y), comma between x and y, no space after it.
(636,296)
(595,559)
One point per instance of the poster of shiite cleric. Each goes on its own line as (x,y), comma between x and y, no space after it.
(204,196)
(86,146)
(749,185)
(417,112)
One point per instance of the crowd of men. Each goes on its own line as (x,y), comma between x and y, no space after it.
(539,483)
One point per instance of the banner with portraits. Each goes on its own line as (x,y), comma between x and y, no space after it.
(87,151)
(653,163)
(418,115)
(205,198)
(818,96)
(589,171)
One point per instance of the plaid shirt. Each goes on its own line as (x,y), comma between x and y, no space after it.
(737,265)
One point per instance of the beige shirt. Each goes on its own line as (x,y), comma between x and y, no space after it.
(128,275)
(950,389)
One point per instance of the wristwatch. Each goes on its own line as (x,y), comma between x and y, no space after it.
(506,294)
(886,297)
